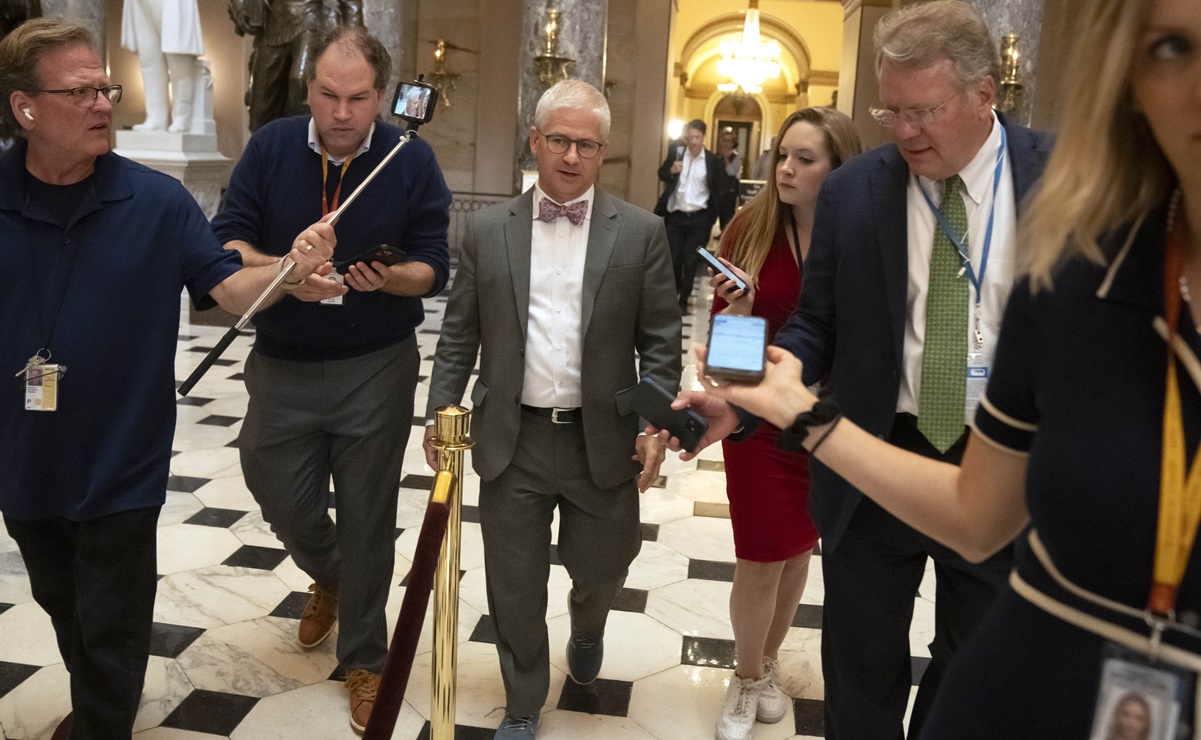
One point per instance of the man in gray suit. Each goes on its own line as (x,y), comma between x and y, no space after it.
(560,288)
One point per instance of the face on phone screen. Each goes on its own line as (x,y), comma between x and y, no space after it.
(413,102)
(736,346)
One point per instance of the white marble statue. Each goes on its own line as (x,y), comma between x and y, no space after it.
(165,34)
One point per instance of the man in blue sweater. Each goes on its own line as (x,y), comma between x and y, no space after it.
(334,367)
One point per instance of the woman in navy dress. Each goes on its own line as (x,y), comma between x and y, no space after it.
(1090,424)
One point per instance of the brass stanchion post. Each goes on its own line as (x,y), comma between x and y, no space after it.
(453,438)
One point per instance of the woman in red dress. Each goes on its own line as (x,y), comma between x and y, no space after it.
(765,245)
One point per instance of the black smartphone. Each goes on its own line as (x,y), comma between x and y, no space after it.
(717,265)
(385,253)
(737,348)
(653,403)
(414,101)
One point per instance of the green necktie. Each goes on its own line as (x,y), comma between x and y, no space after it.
(944,353)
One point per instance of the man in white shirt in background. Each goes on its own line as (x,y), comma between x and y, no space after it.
(695,178)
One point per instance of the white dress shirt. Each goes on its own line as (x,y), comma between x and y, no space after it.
(692,189)
(315,143)
(553,335)
(978,198)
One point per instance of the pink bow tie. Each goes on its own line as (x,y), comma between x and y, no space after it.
(548,211)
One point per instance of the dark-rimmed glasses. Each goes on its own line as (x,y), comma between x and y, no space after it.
(586,148)
(919,117)
(86,96)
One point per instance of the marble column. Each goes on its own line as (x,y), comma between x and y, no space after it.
(88,12)
(857,86)
(581,37)
(1024,18)
(392,22)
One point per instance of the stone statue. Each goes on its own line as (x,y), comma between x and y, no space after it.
(165,34)
(280,58)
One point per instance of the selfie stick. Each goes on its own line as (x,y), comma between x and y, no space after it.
(228,339)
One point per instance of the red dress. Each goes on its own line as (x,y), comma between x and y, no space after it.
(769,489)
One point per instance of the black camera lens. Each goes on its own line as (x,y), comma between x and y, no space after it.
(692,425)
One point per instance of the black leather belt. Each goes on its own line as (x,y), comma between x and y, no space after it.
(556,415)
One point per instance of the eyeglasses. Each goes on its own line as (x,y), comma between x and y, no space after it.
(86,96)
(920,117)
(586,148)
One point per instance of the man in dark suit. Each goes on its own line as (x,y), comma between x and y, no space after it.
(559,289)
(695,181)
(904,328)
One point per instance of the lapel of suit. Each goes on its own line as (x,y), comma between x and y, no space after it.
(888,182)
(518,230)
(1026,159)
(602,237)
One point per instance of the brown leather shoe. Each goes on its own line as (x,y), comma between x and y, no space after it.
(318,618)
(63,731)
(362,685)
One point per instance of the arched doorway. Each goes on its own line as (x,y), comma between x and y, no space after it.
(742,116)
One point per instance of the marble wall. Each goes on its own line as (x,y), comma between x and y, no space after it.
(1025,19)
(582,26)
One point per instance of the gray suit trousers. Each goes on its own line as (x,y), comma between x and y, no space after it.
(350,419)
(599,536)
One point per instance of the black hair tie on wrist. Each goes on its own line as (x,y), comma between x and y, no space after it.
(823,412)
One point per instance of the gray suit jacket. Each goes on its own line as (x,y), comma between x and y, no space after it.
(629,310)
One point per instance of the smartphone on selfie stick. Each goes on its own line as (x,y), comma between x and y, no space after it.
(717,265)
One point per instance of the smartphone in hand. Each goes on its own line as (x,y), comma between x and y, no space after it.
(385,253)
(653,402)
(717,265)
(737,348)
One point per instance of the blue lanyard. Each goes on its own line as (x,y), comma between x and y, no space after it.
(949,230)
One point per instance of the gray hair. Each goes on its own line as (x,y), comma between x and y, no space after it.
(573,94)
(919,36)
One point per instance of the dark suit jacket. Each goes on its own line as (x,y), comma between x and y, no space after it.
(626,311)
(715,176)
(850,318)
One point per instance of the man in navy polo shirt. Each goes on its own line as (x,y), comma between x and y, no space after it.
(102,247)
(331,384)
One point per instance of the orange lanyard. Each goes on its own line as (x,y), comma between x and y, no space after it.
(326,204)
(1179,494)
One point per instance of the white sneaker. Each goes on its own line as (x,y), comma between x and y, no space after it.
(773,702)
(737,720)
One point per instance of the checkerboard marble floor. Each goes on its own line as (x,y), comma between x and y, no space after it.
(225,663)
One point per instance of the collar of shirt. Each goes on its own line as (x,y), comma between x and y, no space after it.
(588,196)
(977,176)
(315,142)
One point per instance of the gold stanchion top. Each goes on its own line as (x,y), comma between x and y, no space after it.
(453,425)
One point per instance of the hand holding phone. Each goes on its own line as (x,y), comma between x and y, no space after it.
(737,348)
(653,402)
(385,253)
(717,265)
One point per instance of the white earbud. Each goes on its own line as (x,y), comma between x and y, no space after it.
(27,113)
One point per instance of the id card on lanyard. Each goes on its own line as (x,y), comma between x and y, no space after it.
(1137,684)
(979,362)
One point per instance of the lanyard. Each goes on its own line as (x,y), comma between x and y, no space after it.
(796,243)
(976,280)
(326,204)
(1179,496)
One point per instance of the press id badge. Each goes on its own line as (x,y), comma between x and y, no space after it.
(340,279)
(41,387)
(979,368)
(1139,698)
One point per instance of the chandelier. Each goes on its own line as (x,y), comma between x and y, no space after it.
(750,61)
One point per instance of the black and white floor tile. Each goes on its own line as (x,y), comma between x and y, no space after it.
(225,663)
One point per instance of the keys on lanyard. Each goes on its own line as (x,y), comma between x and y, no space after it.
(40,358)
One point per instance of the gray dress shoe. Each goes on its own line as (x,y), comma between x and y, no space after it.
(517,728)
(584,658)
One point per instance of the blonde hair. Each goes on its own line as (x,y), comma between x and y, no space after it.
(750,234)
(1106,168)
